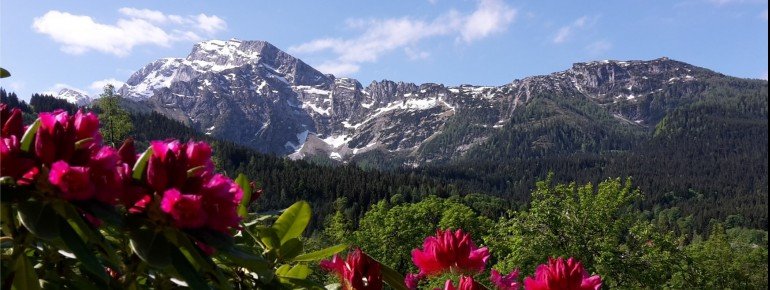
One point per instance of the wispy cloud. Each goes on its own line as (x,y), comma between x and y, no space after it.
(97,87)
(599,47)
(566,32)
(381,36)
(79,34)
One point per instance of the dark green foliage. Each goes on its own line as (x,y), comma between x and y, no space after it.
(46,103)
(12,100)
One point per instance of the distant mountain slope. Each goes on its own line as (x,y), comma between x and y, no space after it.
(252,93)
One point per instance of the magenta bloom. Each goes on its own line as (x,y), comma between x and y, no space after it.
(73,181)
(561,274)
(186,210)
(466,283)
(11,122)
(221,197)
(413,280)
(450,251)
(507,282)
(172,162)
(357,272)
(14,164)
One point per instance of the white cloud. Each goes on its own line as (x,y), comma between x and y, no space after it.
(97,87)
(79,33)
(210,24)
(415,54)
(599,47)
(381,36)
(490,17)
(565,32)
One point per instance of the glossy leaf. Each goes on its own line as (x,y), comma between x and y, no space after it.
(243,206)
(247,260)
(290,249)
(394,279)
(299,271)
(39,218)
(269,238)
(4,73)
(186,271)
(83,253)
(70,214)
(293,221)
(141,164)
(24,274)
(151,246)
(26,139)
(320,254)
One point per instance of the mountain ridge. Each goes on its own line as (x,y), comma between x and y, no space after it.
(252,93)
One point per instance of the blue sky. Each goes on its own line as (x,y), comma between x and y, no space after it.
(86,44)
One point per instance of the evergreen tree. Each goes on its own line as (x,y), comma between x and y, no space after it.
(116,122)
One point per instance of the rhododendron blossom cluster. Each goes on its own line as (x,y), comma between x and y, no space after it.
(357,272)
(67,153)
(562,274)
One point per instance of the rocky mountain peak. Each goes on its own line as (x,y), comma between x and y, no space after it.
(74,97)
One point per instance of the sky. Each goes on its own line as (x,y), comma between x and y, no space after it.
(84,45)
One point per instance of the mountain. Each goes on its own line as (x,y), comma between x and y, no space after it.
(252,93)
(75,97)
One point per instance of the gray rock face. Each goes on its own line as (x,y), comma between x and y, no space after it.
(252,93)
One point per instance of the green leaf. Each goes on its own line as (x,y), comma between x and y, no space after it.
(302,283)
(320,254)
(269,237)
(151,246)
(243,206)
(187,271)
(39,218)
(293,221)
(282,270)
(290,249)
(26,139)
(4,73)
(71,215)
(82,252)
(141,164)
(247,260)
(193,255)
(299,271)
(392,278)
(24,274)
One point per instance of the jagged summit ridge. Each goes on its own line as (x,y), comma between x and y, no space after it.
(216,56)
(255,94)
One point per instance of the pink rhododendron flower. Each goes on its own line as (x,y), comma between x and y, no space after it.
(55,139)
(413,280)
(14,164)
(450,251)
(561,274)
(11,122)
(357,272)
(221,197)
(507,282)
(86,125)
(466,283)
(186,210)
(73,181)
